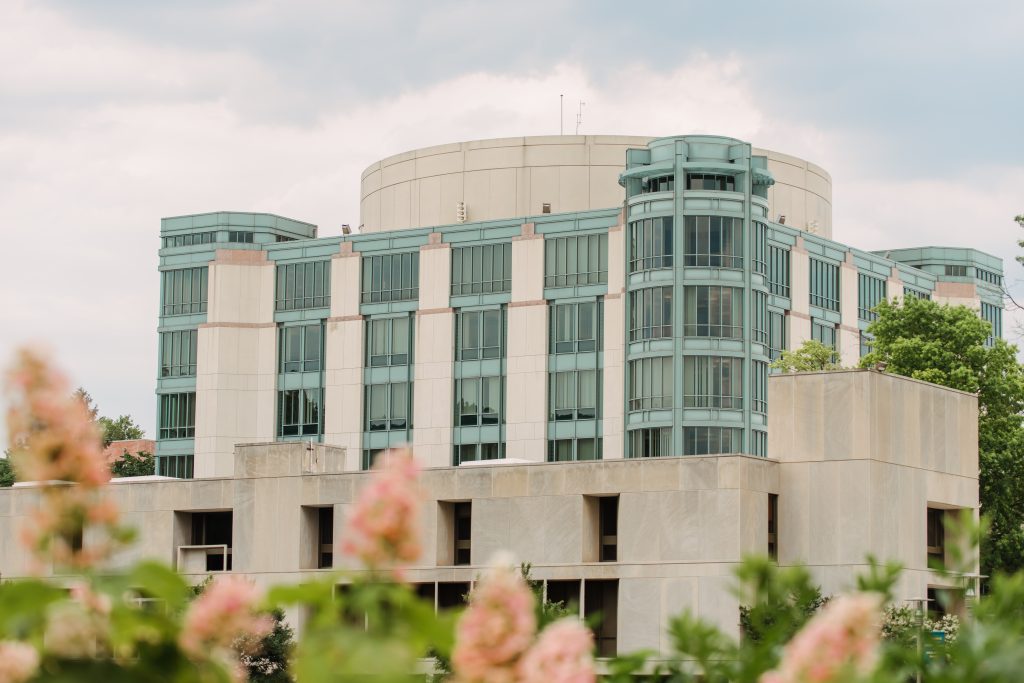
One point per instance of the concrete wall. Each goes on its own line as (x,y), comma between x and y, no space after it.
(515,177)
(236,360)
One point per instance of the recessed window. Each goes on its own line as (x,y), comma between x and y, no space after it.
(710,181)
(240,236)
(712,440)
(825,332)
(714,242)
(608,527)
(484,269)
(956,271)
(601,610)
(576,328)
(824,284)
(651,244)
(480,334)
(870,292)
(712,382)
(778,270)
(389,341)
(713,311)
(567,450)
(178,416)
(388,406)
(936,535)
(662,183)
(650,313)
(472,452)
(478,401)
(776,334)
(773,526)
(574,395)
(179,466)
(209,545)
(184,291)
(303,285)
(391,277)
(463,532)
(178,353)
(301,348)
(577,260)
(650,442)
(299,412)
(650,383)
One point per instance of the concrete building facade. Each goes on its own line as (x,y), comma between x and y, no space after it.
(860,463)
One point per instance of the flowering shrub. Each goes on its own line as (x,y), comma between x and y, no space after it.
(140,625)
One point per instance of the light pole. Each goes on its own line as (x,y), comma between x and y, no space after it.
(919,607)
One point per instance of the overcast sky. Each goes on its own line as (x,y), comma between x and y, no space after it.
(114,113)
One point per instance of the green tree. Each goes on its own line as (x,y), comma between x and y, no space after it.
(946,345)
(6,472)
(1020,243)
(812,356)
(90,405)
(123,428)
(138,464)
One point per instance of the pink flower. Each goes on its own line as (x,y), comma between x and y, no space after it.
(496,628)
(383,531)
(52,437)
(223,613)
(18,661)
(842,640)
(562,654)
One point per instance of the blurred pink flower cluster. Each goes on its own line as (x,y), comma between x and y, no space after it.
(840,643)
(494,639)
(53,438)
(225,612)
(383,529)
(18,662)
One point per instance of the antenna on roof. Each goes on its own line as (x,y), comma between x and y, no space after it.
(561,114)
(579,117)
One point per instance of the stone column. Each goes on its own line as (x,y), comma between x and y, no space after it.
(526,403)
(343,358)
(433,390)
(613,372)
(236,362)
(849,331)
(798,321)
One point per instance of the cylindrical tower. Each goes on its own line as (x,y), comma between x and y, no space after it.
(696,297)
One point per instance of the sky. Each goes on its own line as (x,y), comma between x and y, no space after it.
(115,113)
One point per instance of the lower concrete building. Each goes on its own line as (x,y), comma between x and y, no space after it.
(861,463)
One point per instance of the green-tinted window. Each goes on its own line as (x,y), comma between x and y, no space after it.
(388,341)
(994,316)
(650,442)
(178,416)
(574,395)
(303,285)
(759,315)
(189,239)
(566,450)
(956,271)
(240,236)
(472,452)
(650,244)
(712,440)
(483,269)
(712,382)
(759,443)
(710,181)
(480,334)
(391,277)
(650,313)
(714,242)
(301,348)
(988,276)
(650,386)
(572,261)
(759,248)
(299,412)
(576,328)
(866,344)
(713,311)
(776,334)
(870,291)
(778,270)
(478,401)
(826,333)
(388,406)
(910,292)
(179,466)
(663,183)
(824,284)
(184,291)
(178,353)
(759,387)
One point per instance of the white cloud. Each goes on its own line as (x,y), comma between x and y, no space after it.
(143,132)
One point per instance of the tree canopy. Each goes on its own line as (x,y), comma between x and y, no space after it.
(812,356)
(946,345)
(122,428)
